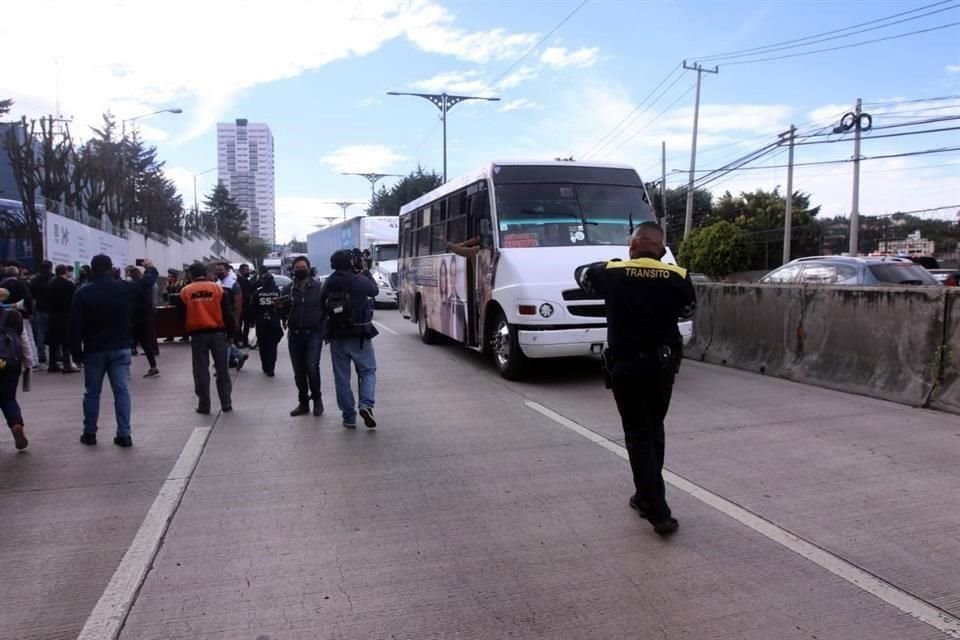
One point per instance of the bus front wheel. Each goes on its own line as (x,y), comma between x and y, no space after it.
(507,355)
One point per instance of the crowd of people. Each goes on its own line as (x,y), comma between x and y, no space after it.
(97,321)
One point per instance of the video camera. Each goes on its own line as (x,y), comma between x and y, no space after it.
(360,260)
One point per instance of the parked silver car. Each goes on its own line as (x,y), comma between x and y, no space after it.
(847,270)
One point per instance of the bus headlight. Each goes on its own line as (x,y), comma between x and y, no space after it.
(546,310)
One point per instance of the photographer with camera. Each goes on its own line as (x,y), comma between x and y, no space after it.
(644,298)
(347,301)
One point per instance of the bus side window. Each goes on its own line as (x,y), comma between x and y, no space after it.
(479,212)
(457,217)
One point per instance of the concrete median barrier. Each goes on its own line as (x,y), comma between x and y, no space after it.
(946,394)
(883,342)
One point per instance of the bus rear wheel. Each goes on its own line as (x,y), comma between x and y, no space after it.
(427,335)
(505,346)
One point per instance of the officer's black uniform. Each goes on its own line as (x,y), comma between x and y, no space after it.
(644,298)
(266,320)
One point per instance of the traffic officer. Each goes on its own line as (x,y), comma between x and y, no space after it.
(644,298)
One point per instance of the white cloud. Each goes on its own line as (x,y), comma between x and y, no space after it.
(363,157)
(369,102)
(560,57)
(521,103)
(953,68)
(138,70)
(518,77)
(452,81)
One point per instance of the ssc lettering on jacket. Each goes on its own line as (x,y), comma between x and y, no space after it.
(639,272)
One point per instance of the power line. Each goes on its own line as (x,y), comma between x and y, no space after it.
(845,160)
(885,135)
(640,104)
(846,35)
(916,101)
(657,117)
(847,46)
(897,125)
(534,47)
(825,33)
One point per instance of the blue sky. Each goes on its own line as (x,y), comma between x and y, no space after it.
(317,72)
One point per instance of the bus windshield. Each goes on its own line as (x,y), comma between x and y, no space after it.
(568,214)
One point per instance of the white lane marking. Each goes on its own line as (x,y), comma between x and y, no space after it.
(856,576)
(107,618)
(384,327)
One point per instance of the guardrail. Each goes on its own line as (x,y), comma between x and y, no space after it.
(896,343)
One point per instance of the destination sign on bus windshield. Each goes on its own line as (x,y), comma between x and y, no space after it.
(523,174)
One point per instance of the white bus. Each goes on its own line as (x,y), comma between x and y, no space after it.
(525,226)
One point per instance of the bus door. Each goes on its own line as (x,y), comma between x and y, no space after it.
(479,235)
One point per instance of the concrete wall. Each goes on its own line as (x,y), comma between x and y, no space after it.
(887,342)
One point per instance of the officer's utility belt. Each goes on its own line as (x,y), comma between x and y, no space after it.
(661,357)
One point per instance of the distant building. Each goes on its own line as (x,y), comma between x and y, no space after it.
(912,245)
(245,166)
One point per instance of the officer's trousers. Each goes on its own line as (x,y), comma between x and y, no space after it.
(643,400)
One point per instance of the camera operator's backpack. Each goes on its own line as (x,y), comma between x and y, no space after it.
(339,313)
(11,353)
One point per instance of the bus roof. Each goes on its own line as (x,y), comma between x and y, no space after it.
(484,172)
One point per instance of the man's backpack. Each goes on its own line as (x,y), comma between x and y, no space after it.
(11,353)
(339,314)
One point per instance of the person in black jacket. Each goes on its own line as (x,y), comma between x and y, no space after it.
(347,297)
(302,311)
(100,324)
(40,320)
(144,327)
(644,298)
(248,285)
(59,300)
(266,318)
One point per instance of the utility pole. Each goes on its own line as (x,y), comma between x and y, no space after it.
(663,187)
(688,221)
(788,212)
(443,102)
(374,178)
(860,122)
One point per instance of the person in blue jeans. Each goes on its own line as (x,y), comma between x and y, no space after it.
(347,297)
(100,336)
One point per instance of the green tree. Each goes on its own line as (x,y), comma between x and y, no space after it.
(255,249)
(761,214)
(5,106)
(297,246)
(717,250)
(387,202)
(224,216)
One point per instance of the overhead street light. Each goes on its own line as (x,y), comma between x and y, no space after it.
(443,102)
(196,204)
(123,123)
(374,178)
(344,206)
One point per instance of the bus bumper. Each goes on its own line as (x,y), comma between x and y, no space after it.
(562,343)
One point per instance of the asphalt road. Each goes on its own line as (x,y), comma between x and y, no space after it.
(479,508)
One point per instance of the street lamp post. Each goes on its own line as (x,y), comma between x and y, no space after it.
(196,203)
(123,139)
(344,206)
(444,102)
(373,178)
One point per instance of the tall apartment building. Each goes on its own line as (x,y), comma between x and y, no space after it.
(245,166)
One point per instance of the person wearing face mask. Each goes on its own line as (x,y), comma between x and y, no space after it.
(302,311)
(266,321)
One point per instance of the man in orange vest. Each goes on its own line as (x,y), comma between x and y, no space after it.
(209,320)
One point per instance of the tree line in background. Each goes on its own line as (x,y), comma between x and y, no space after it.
(110,177)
